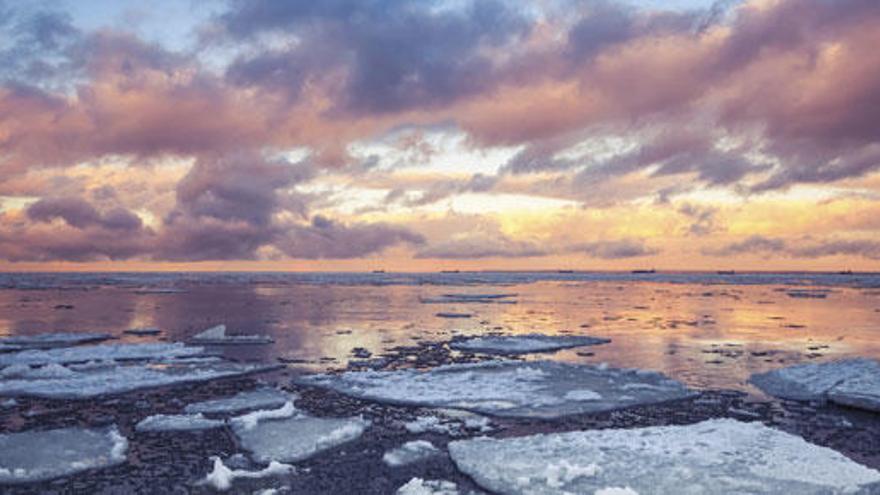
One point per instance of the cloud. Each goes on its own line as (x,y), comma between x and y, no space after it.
(480,245)
(328,239)
(615,249)
(806,247)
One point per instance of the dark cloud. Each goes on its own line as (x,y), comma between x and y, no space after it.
(751,245)
(394,55)
(702,218)
(443,189)
(615,249)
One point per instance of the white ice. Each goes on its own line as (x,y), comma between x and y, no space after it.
(58,339)
(523,344)
(718,456)
(509,388)
(217,336)
(262,398)
(251,420)
(852,382)
(114,379)
(410,452)
(42,455)
(296,438)
(102,352)
(418,486)
(221,477)
(177,422)
(470,298)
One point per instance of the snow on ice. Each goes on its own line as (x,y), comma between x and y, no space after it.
(217,336)
(523,344)
(851,382)
(262,398)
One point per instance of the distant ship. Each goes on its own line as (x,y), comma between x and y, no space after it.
(645,271)
(726,272)
(564,271)
(450,271)
(378,271)
(845,272)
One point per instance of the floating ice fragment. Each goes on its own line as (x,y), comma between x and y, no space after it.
(418,486)
(470,298)
(263,398)
(508,388)
(616,490)
(523,344)
(297,438)
(410,452)
(851,382)
(120,379)
(102,352)
(249,421)
(453,315)
(713,457)
(49,340)
(221,477)
(177,422)
(217,336)
(31,456)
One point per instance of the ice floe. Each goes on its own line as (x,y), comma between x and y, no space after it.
(249,421)
(509,388)
(177,422)
(114,379)
(418,486)
(296,438)
(49,340)
(410,452)
(523,344)
(716,456)
(261,398)
(101,352)
(453,315)
(217,336)
(30,456)
(221,477)
(851,382)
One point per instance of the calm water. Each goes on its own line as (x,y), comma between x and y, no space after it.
(707,330)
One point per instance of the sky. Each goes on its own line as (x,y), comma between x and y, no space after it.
(419,135)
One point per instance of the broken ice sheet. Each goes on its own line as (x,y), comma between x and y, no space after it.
(58,339)
(102,352)
(851,382)
(42,455)
(115,379)
(296,438)
(523,344)
(221,477)
(418,486)
(541,389)
(262,398)
(217,336)
(410,452)
(718,456)
(177,422)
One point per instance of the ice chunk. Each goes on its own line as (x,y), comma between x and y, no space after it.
(716,456)
(616,490)
(42,455)
(177,422)
(59,339)
(249,421)
(221,477)
(509,388)
(117,379)
(453,315)
(418,486)
(852,382)
(410,452)
(217,336)
(469,298)
(101,352)
(433,424)
(263,398)
(523,344)
(297,438)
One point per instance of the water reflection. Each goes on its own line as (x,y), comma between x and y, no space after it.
(706,336)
